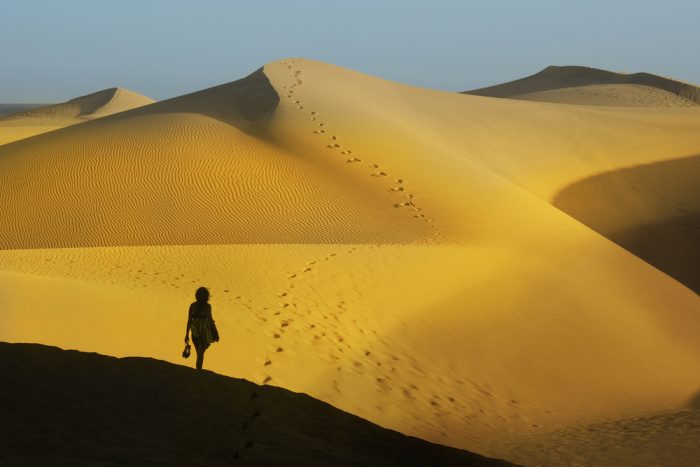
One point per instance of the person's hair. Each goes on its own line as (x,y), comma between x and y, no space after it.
(202,294)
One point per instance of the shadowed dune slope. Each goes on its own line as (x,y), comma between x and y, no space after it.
(391,250)
(87,409)
(41,119)
(652,210)
(591,86)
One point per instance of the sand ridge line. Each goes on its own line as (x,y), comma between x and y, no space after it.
(399,185)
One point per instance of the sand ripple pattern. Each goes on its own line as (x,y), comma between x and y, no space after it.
(172,179)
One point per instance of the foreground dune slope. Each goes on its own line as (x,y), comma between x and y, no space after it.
(390,250)
(36,120)
(591,86)
(143,411)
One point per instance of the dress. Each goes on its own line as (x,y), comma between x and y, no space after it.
(201,324)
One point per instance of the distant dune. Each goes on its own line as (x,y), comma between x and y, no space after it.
(40,119)
(591,86)
(6,109)
(89,106)
(432,262)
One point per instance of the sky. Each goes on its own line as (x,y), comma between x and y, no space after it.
(51,51)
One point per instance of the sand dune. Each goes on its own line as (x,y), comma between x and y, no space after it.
(142,411)
(400,253)
(37,120)
(14,108)
(591,86)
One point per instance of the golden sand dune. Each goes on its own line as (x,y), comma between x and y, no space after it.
(397,252)
(34,121)
(150,412)
(591,86)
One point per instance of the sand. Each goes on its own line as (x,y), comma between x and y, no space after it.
(400,253)
(25,122)
(139,411)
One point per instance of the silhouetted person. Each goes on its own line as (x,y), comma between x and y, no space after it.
(201,323)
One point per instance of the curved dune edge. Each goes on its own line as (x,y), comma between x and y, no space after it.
(408,264)
(652,210)
(147,411)
(592,86)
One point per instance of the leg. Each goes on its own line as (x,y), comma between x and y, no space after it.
(200,356)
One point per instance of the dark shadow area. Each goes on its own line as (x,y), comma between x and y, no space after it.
(651,210)
(694,403)
(239,103)
(73,408)
(557,77)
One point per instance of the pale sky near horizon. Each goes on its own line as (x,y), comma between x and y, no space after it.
(51,51)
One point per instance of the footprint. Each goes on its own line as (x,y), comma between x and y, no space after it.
(267,362)
(267,379)
(279,349)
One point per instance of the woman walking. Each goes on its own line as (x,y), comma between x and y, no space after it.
(201,323)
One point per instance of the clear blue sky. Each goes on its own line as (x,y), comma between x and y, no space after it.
(54,50)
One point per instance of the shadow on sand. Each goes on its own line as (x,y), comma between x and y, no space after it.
(651,210)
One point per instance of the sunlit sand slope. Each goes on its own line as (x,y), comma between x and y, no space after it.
(34,121)
(591,86)
(147,412)
(393,251)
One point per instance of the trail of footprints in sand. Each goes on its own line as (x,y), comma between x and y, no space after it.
(406,201)
(327,332)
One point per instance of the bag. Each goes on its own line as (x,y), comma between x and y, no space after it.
(214,331)
(186,352)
